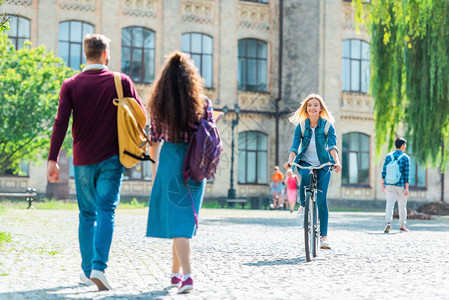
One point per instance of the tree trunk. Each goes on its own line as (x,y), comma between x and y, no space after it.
(442,173)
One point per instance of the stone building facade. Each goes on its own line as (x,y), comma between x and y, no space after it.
(236,46)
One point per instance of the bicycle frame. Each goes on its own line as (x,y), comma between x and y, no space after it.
(311,224)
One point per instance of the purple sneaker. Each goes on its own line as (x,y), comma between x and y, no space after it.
(175,281)
(186,287)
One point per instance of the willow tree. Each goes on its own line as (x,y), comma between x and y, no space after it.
(410,74)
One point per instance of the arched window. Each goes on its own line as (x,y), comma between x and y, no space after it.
(252,157)
(138,53)
(70,42)
(252,65)
(356,159)
(355,66)
(19,31)
(200,48)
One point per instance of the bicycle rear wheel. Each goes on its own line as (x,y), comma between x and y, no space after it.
(309,231)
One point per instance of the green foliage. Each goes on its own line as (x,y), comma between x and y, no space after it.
(4,24)
(30,80)
(410,74)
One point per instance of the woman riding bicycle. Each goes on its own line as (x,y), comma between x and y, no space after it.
(317,147)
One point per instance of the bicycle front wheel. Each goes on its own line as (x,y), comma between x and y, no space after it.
(309,233)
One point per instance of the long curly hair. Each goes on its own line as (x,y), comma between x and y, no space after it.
(176,99)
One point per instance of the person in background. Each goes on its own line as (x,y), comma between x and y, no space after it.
(291,183)
(277,184)
(395,183)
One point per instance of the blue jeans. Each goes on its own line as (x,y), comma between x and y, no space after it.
(98,194)
(324,176)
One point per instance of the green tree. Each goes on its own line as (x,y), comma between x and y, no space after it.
(30,80)
(410,73)
(4,25)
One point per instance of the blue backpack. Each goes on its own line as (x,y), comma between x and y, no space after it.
(393,170)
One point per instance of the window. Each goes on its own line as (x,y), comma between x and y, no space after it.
(142,171)
(252,157)
(259,1)
(19,31)
(355,66)
(200,48)
(417,174)
(355,159)
(252,65)
(70,44)
(138,54)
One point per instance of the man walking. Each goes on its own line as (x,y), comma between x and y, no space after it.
(98,171)
(395,183)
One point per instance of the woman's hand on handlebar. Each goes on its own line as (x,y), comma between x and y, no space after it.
(287,165)
(337,168)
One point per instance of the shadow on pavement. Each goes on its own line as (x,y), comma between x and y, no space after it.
(278,262)
(352,221)
(63,292)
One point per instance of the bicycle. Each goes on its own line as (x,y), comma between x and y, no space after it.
(311,221)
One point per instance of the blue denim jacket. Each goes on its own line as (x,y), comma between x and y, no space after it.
(323,146)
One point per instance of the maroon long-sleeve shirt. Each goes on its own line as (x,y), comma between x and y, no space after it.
(89,95)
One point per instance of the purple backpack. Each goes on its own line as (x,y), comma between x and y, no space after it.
(203,152)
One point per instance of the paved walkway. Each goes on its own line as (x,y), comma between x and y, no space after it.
(238,254)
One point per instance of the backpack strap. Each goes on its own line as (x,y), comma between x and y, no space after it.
(303,127)
(327,125)
(400,156)
(118,85)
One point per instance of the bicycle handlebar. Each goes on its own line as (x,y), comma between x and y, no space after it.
(311,168)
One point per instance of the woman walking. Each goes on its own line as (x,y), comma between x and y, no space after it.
(175,106)
(318,146)
(291,182)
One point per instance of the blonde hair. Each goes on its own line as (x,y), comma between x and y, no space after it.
(289,171)
(301,113)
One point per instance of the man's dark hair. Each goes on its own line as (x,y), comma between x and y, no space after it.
(95,45)
(399,142)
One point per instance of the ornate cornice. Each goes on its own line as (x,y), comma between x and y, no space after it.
(20,2)
(140,8)
(251,16)
(198,11)
(254,101)
(81,5)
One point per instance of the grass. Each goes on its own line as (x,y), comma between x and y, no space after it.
(5,237)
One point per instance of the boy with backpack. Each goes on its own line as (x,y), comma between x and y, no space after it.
(395,183)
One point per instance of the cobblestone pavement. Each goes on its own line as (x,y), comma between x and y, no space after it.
(238,254)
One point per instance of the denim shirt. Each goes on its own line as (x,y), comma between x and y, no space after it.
(323,146)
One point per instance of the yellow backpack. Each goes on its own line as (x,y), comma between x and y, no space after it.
(131,121)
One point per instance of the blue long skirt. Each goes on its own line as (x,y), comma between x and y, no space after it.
(170,209)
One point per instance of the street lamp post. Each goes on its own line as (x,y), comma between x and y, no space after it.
(231,191)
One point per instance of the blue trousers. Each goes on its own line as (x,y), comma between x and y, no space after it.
(324,176)
(98,194)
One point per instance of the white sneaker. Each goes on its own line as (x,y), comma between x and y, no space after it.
(387,228)
(324,244)
(300,212)
(85,280)
(100,281)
